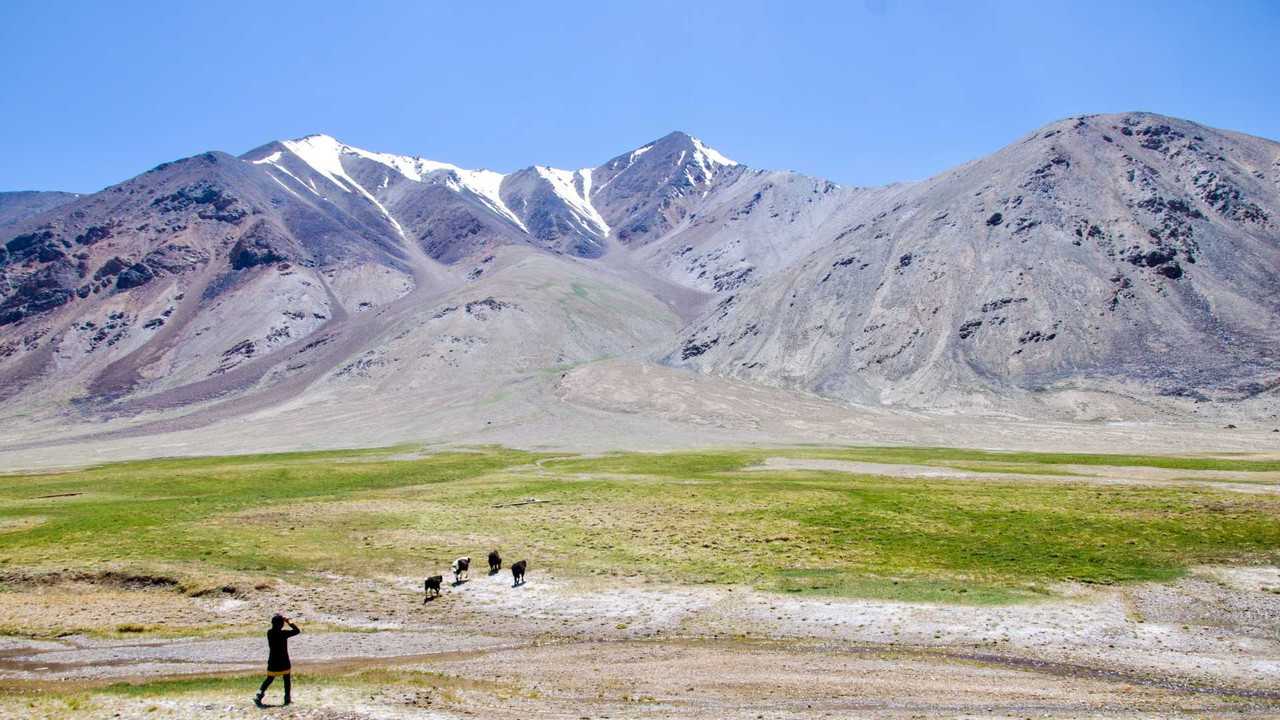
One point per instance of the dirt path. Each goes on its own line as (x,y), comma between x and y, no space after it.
(672,677)
(88,664)
(92,661)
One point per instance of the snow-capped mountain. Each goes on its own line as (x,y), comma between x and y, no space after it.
(1131,256)
(644,192)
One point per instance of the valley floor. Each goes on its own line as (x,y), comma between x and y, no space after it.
(628,404)
(763,582)
(555,649)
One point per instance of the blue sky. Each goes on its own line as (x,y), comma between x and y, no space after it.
(861,92)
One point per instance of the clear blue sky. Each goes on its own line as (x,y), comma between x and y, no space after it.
(861,92)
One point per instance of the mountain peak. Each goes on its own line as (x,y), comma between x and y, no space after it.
(675,136)
(703,153)
(1124,123)
(712,155)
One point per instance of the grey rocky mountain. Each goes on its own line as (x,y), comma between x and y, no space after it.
(1103,251)
(1131,255)
(647,193)
(22,204)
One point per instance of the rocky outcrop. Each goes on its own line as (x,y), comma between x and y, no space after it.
(210,202)
(50,287)
(135,275)
(263,244)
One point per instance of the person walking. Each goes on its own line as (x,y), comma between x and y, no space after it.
(278,658)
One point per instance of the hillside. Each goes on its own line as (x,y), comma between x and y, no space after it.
(1104,267)
(1129,252)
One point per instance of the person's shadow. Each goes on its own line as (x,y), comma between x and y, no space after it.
(456,583)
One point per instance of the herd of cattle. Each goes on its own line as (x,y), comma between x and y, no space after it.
(462,567)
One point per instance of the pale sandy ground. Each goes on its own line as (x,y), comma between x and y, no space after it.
(611,405)
(1208,645)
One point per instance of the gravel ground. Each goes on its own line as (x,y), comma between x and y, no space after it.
(561,648)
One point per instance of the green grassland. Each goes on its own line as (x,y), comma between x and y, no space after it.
(77,700)
(691,517)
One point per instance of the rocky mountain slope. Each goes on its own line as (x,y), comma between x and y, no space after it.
(1099,252)
(1128,255)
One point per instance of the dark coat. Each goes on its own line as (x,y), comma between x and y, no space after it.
(278,642)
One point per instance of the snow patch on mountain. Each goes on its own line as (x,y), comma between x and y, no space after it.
(484,184)
(273,158)
(274,161)
(707,156)
(413,168)
(574,188)
(324,154)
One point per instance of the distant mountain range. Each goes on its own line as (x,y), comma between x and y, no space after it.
(17,206)
(1129,255)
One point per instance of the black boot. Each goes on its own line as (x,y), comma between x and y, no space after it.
(262,691)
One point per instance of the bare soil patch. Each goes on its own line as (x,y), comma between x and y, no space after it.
(569,647)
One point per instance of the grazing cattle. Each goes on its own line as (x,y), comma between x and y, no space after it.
(432,587)
(517,571)
(495,562)
(460,568)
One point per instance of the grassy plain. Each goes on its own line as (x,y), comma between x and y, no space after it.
(689,517)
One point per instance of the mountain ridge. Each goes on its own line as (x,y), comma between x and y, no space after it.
(1049,277)
(1161,214)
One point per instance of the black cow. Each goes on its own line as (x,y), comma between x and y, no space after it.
(517,572)
(460,568)
(432,587)
(495,562)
